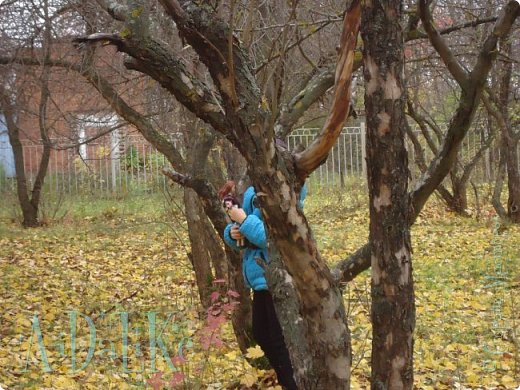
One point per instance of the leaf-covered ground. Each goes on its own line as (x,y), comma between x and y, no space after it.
(122,265)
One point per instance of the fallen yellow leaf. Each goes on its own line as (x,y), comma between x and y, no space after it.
(254,352)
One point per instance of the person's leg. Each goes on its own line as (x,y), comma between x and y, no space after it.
(268,334)
(260,320)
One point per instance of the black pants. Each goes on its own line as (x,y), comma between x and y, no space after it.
(268,334)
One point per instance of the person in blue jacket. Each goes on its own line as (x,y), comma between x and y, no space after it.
(248,227)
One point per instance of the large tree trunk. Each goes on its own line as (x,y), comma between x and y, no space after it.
(496,200)
(242,316)
(208,246)
(393,307)
(321,313)
(29,212)
(509,144)
(216,252)
(29,205)
(199,256)
(459,200)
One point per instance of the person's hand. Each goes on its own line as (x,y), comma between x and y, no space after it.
(237,214)
(235,233)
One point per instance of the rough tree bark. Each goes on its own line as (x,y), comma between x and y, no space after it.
(241,318)
(393,306)
(199,255)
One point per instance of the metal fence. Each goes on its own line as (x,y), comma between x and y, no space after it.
(346,159)
(130,164)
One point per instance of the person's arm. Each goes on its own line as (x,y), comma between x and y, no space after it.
(251,226)
(228,239)
(254,231)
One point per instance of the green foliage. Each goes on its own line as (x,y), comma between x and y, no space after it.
(132,160)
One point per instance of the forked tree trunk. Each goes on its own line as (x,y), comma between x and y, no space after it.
(243,120)
(30,199)
(28,204)
(393,308)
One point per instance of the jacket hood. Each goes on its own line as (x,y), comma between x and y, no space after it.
(250,195)
(247,203)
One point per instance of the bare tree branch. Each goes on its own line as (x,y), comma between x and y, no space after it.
(317,152)
(207,194)
(295,44)
(463,116)
(414,33)
(300,103)
(421,121)
(155,60)
(466,173)
(453,65)
(118,104)
(210,38)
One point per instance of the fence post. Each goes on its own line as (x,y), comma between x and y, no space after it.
(114,156)
(363,148)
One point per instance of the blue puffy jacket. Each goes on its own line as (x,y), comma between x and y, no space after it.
(254,231)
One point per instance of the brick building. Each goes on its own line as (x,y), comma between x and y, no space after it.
(76,116)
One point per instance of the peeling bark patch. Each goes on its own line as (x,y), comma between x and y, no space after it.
(373,70)
(296,220)
(395,375)
(391,89)
(186,80)
(389,340)
(403,257)
(339,366)
(226,85)
(271,151)
(389,290)
(288,278)
(376,271)
(384,123)
(286,195)
(384,198)
(390,13)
